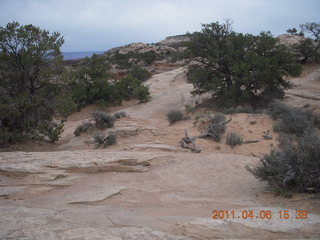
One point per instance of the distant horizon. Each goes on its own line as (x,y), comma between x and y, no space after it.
(104,24)
(71,55)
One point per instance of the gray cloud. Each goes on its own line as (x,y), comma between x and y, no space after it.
(101,24)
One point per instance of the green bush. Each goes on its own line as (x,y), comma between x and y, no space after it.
(29,58)
(65,106)
(234,139)
(294,168)
(238,68)
(142,93)
(174,116)
(139,73)
(103,120)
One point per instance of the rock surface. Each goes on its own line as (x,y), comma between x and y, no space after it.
(146,186)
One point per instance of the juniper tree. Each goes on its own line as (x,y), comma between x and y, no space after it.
(236,67)
(30,57)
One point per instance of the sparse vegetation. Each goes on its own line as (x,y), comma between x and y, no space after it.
(99,138)
(239,109)
(121,114)
(294,168)
(293,121)
(103,120)
(175,116)
(104,140)
(216,127)
(234,139)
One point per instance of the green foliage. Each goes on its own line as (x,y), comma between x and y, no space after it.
(234,139)
(296,167)
(308,50)
(142,93)
(132,58)
(238,68)
(175,116)
(29,58)
(139,73)
(126,86)
(89,83)
(103,120)
(294,31)
(65,105)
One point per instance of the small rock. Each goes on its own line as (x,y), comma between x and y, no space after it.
(267,137)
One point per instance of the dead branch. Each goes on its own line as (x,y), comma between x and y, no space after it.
(250,141)
(189,142)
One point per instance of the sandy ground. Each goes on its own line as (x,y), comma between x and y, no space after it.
(147,186)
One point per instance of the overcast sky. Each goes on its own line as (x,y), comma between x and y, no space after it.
(101,24)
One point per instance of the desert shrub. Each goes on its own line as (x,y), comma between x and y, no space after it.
(103,120)
(83,128)
(139,73)
(216,127)
(292,120)
(215,131)
(239,109)
(111,139)
(65,105)
(218,118)
(234,139)
(142,93)
(189,108)
(294,168)
(174,116)
(279,126)
(126,86)
(99,138)
(121,114)
(52,130)
(148,57)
